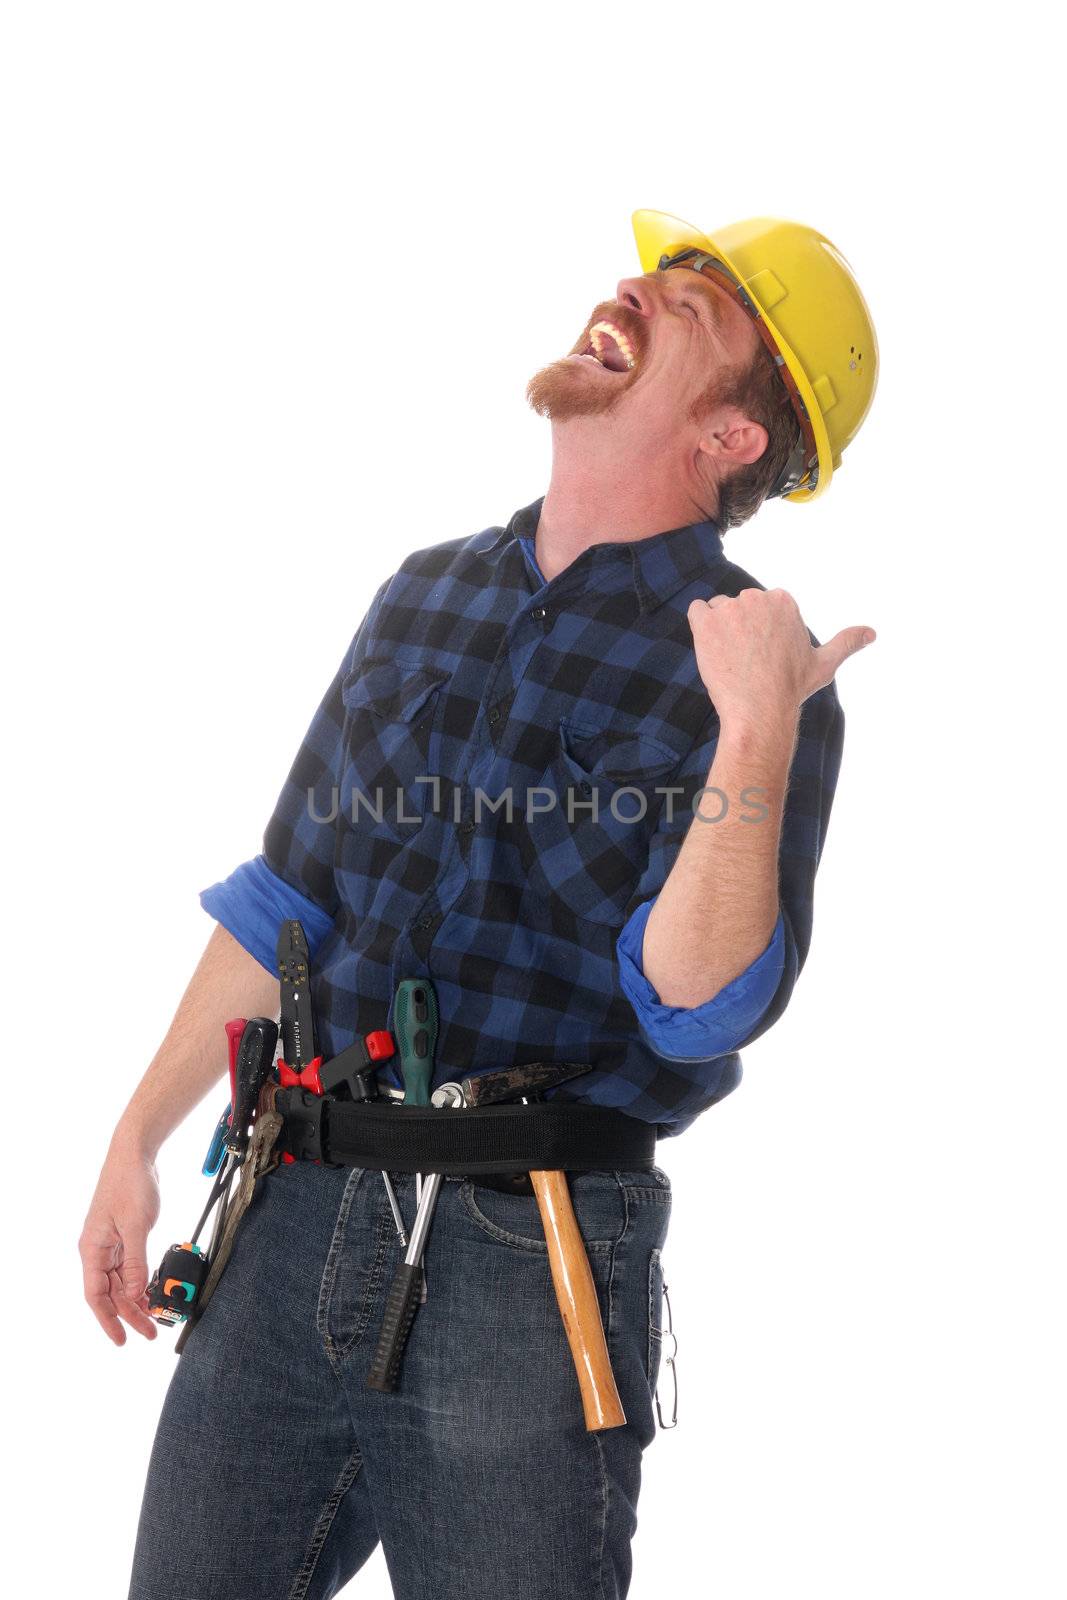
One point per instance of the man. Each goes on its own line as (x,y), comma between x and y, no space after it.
(669,736)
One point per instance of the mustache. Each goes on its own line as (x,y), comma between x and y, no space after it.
(634,327)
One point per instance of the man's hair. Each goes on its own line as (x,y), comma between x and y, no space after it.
(759,392)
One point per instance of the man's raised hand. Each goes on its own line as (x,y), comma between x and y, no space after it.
(755,656)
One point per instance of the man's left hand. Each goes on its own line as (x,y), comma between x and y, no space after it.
(756,658)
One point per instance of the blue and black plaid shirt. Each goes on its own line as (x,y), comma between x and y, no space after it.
(469,681)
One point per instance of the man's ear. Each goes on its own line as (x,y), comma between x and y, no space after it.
(731,440)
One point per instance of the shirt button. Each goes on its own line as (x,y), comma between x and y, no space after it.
(494,715)
(539,614)
(585,786)
(467,827)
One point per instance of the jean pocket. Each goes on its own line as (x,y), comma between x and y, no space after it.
(597,808)
(392,745)
(515,1220)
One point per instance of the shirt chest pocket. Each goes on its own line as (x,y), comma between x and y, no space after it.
(589,824)
(392,754)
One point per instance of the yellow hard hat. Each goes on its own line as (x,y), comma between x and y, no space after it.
(807,307)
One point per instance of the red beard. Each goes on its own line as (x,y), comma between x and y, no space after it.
(568,389)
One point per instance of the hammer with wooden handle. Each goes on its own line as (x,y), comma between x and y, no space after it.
(572,1275)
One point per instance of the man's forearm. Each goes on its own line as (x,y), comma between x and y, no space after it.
(228,982)
(718,906)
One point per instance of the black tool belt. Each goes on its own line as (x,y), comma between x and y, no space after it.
(550,1137)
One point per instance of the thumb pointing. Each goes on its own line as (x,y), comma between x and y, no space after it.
(838,649)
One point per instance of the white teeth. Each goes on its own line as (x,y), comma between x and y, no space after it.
(600,330)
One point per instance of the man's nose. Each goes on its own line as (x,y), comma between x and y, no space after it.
(638,294)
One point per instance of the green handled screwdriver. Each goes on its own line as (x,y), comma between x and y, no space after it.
(415,1031)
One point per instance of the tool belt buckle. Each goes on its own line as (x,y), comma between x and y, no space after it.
(303,1111)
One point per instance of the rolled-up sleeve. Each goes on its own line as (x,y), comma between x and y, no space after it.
(753,1001)
(719,1025)
(253,902)
(293,876)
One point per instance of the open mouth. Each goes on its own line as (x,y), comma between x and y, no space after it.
(609,346)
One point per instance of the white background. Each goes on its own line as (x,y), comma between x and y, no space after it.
(274,280)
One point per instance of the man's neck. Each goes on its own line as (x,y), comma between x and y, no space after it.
(597,493)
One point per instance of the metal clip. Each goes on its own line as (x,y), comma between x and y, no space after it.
(668,1360)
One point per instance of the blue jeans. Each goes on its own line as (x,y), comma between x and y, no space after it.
(275,1471)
